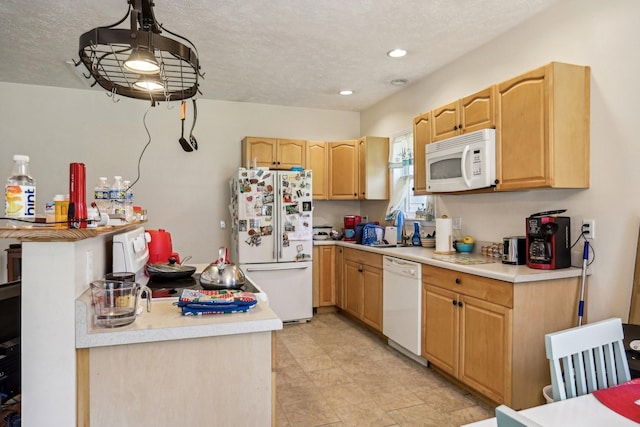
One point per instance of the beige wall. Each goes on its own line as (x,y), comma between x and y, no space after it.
(603,35)
(184,193)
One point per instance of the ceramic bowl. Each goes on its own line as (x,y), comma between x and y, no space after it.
(464,247)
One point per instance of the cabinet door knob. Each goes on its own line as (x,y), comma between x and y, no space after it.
(454,302)
(458,280)
(459,303)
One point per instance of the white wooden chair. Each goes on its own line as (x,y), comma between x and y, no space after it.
(587,358)
(507,417)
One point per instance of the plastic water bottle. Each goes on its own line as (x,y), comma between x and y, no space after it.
(117,197)
(128,201)
(20,191)
(101,194)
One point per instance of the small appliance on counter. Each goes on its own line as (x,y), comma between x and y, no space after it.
(350,223)
(391,235)
(160,247)
(548,241)
(322,232)
(514,250)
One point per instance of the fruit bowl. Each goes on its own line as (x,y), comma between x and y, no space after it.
(464,247)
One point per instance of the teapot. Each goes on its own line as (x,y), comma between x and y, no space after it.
(222,273)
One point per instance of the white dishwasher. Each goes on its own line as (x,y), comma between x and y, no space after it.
(402,304)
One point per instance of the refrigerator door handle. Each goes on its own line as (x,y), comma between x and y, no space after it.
(284,266)
(275,245)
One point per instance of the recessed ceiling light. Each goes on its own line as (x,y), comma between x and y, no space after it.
(397,53)
(346,92)
(399,82)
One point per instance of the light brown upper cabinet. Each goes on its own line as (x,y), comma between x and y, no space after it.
(358,169)
(373,165)
(343,170)
(421,137)
(471,113)
(274,153)
(543,129)
(317,161)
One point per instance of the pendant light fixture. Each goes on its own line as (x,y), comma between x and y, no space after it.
(142,61)
(139,62)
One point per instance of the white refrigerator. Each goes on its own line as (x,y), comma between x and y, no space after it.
(272,236)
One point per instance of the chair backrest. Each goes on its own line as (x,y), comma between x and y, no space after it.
(587,358)
(507,417)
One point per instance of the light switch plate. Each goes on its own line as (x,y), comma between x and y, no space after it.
(457,223)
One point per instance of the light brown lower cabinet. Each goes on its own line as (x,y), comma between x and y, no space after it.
(489,334)
(363,286)
(324,276)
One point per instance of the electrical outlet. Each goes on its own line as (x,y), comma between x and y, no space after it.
(589,228)
(223,224)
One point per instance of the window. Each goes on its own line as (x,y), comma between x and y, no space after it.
(401,165)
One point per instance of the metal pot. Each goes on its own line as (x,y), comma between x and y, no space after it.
(222,274)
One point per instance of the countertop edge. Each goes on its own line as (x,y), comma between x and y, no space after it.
(495,270)
(49,233)
(259,319)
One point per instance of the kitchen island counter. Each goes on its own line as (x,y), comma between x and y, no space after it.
(493,268)
(165,322)
(167,362)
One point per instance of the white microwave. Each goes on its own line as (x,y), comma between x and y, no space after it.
(460,163)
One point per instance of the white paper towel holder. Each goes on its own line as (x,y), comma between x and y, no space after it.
(450,252)
(448,236)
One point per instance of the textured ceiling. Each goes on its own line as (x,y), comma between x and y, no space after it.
(282,52)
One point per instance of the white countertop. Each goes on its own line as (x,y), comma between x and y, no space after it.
(495,270)
(165,322)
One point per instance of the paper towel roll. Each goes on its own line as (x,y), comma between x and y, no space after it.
(444,236)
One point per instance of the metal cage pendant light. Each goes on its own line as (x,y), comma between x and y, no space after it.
(138,62)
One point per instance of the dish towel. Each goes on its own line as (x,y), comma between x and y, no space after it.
(623,399)
(202,302)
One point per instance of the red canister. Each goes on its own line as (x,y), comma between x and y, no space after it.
(350,222)
(77,211)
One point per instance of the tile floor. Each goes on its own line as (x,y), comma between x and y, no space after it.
(333,372)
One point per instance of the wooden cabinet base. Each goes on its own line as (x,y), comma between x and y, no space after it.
(224,380)
(489,335)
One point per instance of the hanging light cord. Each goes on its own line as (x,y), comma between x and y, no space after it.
(144,123)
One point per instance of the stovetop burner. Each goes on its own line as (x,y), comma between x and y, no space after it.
(171,288)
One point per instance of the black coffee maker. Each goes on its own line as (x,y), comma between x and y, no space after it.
(548,241)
